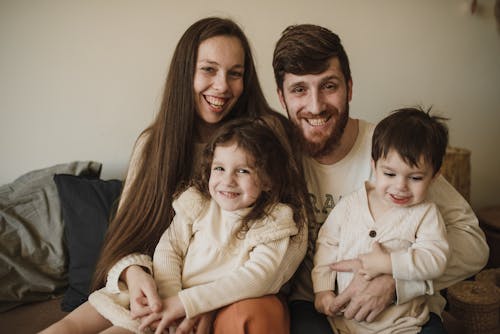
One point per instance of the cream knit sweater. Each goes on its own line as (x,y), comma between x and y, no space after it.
(202,258)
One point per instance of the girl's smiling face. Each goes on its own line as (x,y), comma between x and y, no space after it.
(218,78)
(234,181)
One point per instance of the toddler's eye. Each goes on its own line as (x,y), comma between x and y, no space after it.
(389,174)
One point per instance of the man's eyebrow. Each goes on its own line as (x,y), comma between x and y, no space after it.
(330,77)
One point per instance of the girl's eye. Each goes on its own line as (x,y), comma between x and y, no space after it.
(243,171)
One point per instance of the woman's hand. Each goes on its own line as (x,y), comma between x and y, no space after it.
(144,297)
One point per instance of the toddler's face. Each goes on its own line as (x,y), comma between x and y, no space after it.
(400,184)
(234,182)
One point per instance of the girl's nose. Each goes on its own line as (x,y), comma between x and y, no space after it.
(229,178)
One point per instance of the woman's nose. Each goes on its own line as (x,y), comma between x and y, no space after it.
(220,82)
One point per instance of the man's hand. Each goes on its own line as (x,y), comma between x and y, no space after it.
(323,302)
(363,299)
(144,297)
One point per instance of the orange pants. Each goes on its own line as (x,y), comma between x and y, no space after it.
(268,314)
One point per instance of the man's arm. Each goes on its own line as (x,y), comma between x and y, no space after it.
(468,248)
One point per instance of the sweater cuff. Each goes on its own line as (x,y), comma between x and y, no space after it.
(408,290)
(112,283)
(190,309)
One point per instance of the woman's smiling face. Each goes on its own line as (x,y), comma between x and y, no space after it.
(218,78)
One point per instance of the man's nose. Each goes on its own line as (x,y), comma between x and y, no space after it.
(316,102)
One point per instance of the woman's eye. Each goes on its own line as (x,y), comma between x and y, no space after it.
(208,69)
(236,74)
(218,169)
(243,171)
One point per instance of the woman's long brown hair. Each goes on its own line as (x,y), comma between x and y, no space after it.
(166,159)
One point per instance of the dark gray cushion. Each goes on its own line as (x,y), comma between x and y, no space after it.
(87,205)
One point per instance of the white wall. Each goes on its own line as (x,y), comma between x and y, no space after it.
(80,79)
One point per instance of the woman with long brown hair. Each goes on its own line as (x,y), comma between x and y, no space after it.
(212,79)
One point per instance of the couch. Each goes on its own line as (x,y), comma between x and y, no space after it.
(52,224)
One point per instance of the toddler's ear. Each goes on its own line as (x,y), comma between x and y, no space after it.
(373,166)
(437,174)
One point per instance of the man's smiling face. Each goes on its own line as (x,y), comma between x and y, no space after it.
(318,104)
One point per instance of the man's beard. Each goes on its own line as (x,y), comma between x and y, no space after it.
(327,146)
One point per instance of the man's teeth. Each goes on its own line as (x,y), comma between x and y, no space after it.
(215,101)
(316,121)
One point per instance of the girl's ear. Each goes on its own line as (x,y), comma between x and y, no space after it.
(266,186)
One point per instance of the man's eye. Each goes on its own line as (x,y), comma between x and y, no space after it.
(330,86)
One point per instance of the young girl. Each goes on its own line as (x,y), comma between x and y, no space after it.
(238,232)
(388,225)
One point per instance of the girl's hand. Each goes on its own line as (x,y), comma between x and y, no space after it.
(172,310)
(144,297)
(323,302)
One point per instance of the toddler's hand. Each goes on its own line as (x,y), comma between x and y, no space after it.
(323,302)
(375,263)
